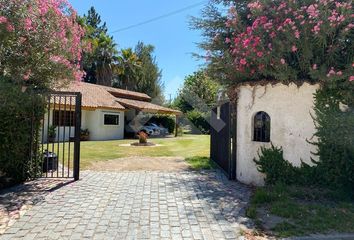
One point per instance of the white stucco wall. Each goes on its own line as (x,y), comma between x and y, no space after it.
(99,131)
(94,122)
(289,108)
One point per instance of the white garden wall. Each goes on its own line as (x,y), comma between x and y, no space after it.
(289,108)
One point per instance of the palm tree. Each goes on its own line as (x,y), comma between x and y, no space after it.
(106,59)
(128,65)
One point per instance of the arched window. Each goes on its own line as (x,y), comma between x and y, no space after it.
(261,127)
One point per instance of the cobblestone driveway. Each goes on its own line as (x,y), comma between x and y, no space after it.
(138,205)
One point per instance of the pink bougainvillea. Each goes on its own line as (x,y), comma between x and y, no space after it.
(292,40)
(43,41)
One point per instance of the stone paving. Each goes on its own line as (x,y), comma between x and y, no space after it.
(138,205)
(16,201)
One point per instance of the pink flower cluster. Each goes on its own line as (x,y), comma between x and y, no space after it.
(9,26)
(267,39)
(54,20)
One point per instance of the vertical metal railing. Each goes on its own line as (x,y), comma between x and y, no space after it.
(53,156)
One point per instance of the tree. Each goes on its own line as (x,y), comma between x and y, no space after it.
(105,60)
(196,98)
(93,21)
(280,40)
(138,71)
(40,49)
(149,80)
(212,21)
(128,67)
(98,63)
(40,42)
(198,92)
(293,41)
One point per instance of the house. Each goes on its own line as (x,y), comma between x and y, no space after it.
(269,113)
(105,111)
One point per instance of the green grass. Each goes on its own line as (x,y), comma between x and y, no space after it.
(187,146)
(304,210)
(200,163)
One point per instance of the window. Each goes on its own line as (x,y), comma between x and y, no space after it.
(111,119)
(63,118)
(261,125)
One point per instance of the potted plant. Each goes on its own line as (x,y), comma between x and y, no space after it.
(52,133)
(85,135)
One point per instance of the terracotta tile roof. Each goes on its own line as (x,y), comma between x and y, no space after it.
(93,96)
(97,96)
(121,93)
(146,106)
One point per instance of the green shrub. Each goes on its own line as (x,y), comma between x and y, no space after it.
(335,134)
(280,171)
(18,110)
(166,121)
(275,167)
(199,121)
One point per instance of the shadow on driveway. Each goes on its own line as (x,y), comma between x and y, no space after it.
(16,200)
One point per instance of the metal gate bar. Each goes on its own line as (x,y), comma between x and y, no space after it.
(53,155)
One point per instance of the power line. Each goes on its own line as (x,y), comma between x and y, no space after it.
(159,17)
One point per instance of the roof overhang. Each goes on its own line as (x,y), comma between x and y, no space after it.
(147,107)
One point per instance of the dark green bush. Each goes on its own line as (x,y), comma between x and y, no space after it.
(199,121)
(275,167)
(279,171)
(18,110)
(335,134)
(166,121)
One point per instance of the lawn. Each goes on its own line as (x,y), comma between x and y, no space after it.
(187,146)
(296,211)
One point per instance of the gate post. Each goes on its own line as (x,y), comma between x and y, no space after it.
(77,136)
(233,138)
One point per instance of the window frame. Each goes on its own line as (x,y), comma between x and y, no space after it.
(263,132)
(111,114)
(63,118)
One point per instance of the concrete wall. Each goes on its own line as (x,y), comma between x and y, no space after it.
(289,108)
(94,122)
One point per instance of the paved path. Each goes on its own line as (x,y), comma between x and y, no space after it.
(138,205)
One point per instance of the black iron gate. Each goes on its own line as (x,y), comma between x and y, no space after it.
(55,146)
(223,138)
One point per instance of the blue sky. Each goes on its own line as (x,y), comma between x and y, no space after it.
(172,37)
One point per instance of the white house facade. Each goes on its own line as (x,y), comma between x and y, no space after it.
(105,112)
(278,114)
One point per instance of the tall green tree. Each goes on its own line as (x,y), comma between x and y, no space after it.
(139,71)
(128,67)
(211,23)
(196,98)
(199,92)
(149,80)
(98,63)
